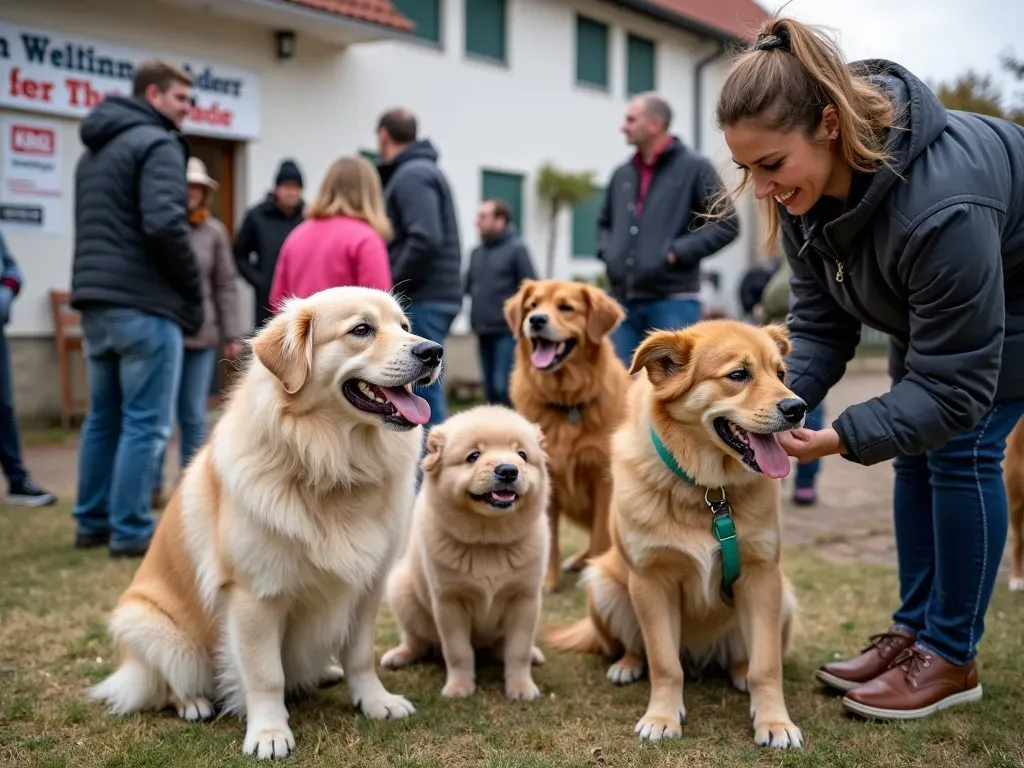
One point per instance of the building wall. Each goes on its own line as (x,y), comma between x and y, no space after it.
(325,101)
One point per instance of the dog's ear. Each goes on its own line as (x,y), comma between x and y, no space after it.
(780,335)
(435,447)
(665,354)
(515,305)
(604,314)
(285,347)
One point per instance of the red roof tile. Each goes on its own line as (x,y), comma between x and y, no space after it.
(380,12)
(737,18)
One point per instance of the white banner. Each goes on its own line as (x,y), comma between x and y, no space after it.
(64,74)
(31,198)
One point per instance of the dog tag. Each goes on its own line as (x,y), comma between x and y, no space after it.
(574,416)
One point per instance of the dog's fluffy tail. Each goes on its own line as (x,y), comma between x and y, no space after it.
(134,687)
(581,637)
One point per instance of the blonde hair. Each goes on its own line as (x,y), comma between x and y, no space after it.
(786,81)
(351,187)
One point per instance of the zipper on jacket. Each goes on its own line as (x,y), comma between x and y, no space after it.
(839,271)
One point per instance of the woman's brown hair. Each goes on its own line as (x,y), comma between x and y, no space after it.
(785,82)
(351,187)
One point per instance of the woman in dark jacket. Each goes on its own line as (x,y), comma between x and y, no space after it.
(900,215)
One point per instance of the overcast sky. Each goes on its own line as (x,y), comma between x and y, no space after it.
(935,39)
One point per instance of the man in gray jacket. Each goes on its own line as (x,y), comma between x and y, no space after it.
(496,268)
(651,235)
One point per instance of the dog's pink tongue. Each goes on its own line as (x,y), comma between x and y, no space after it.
(543,354)
(770,456)
(413,407)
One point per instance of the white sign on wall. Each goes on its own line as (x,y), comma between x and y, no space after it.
(64,74)
(31,199)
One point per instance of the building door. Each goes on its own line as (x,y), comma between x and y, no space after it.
(219,157)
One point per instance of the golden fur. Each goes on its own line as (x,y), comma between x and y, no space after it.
(655,595)
(579,454)
(272,553)
(1013,475)
(471,577)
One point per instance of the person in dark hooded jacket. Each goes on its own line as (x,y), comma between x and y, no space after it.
(901,215)
(136,282)
(263,232)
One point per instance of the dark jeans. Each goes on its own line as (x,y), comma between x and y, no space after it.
(10,440)
(197,367)
(648,315)
(951,521)
(497,353)
(134,366)
(431,321)
(806,473)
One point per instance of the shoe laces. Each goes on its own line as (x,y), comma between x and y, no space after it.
(912,660)
(883,641)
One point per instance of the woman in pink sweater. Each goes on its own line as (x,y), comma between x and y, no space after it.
(343,240)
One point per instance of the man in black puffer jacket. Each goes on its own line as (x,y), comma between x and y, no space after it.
(138,288)
(425,252)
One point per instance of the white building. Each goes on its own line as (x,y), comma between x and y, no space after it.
(500,87)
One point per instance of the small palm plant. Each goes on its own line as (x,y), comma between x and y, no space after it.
(561,189)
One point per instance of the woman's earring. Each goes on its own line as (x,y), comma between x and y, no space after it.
(834,135)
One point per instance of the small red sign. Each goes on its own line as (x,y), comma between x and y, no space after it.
(26,140)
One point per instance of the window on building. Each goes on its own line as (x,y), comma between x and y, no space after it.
(507,186)
(591,52)
(639,64)
(485,29)
(584,226)
(425,14)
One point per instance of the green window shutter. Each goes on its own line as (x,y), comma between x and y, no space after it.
(485,28)
(639,64)
(591,52)
(584,226)
(507,186)
(367,154)
(425,14)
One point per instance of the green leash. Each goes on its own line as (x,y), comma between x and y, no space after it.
(723,527)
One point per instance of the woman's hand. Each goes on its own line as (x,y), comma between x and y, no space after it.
(806,445)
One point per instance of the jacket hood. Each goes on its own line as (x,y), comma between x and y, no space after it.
(115,115)
(921,118)
(418,150)
(508,233)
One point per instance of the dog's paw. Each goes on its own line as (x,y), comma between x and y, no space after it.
(196,708)
(655,728)
(779,734)
(536,656)
(626,670)
(332,675)
(1016,584)
(398,657)
(387,706)
(271,743)
(458,689)
(522,690)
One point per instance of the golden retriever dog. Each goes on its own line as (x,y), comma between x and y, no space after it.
(472,574)
(1013,476)
(272,554)
(567,378)
(698,448)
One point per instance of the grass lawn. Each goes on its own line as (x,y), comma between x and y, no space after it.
(53,644)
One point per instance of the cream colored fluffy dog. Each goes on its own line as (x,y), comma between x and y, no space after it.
(272,554)
(472,575)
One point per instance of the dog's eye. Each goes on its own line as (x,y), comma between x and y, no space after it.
(522,455)
(565,308)
(361,330)
(740,374)
(782,376)
(406,327)
(473,457)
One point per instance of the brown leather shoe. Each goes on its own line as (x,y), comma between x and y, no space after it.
(918,684)
(873,661)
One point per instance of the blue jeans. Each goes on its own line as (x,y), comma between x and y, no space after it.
(10,440)
(951,521)
(431,320)
(806,473)
(497,353)
(651,314)
(197,368)
(133,367)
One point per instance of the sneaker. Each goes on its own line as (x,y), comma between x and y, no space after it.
(91,540)
(804,497)
(132,550)
(28,494)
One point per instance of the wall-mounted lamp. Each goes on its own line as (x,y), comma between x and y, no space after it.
(285,43)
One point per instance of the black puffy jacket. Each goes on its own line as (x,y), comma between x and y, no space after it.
(132,244)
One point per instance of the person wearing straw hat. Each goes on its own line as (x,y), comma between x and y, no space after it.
(221,325)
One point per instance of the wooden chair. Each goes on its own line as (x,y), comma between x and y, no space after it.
(67,335)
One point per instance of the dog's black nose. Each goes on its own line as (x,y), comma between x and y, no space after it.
(793,409)
(538,321)
(429,352)
(507,473)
